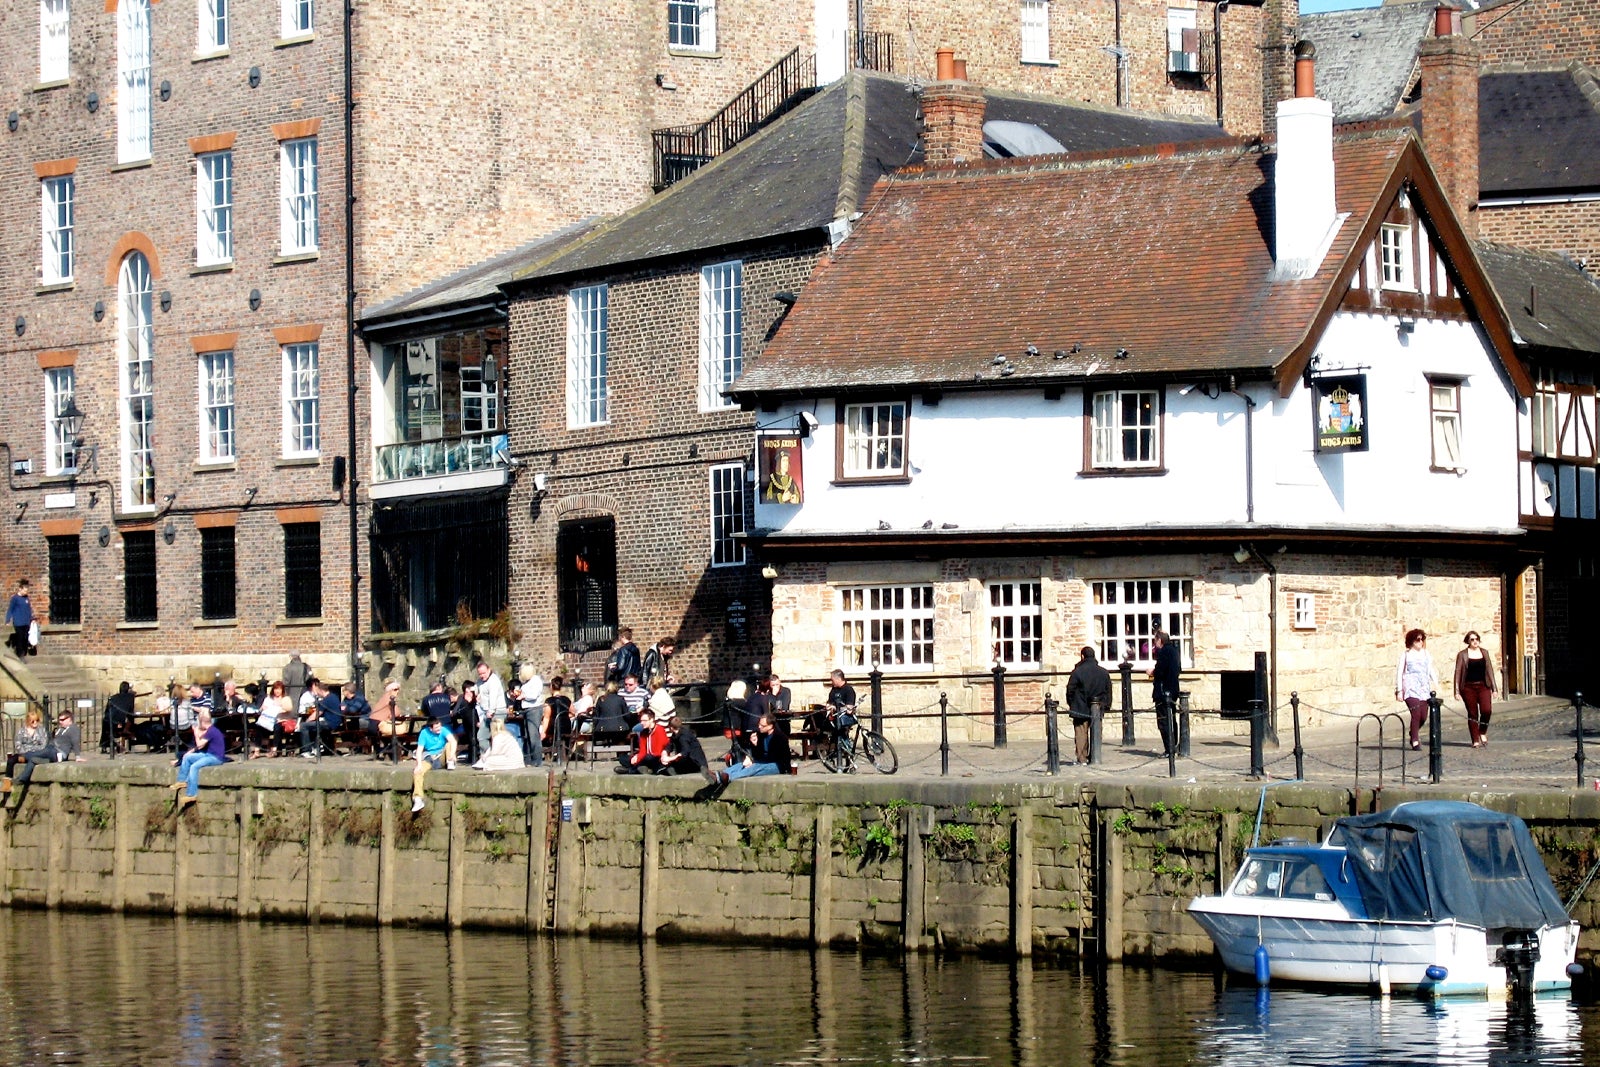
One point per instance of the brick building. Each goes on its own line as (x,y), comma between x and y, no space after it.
(187,160)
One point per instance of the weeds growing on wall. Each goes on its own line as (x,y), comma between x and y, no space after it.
(280,824)
(359,825)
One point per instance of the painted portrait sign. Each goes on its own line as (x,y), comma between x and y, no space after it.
(782,476)
(1340,406)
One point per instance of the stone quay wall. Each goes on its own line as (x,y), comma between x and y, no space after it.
(1099,870)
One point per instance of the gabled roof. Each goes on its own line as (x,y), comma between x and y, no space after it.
(1553,304)
(816,163)
(1163,256)
(1367,58)
(1538,131)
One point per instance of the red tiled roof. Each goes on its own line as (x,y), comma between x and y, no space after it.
(1165,254)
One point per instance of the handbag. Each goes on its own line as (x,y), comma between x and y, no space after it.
(33,633)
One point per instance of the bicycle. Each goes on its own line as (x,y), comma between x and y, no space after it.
(852,741)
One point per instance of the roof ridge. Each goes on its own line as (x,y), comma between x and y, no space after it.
(1083,160)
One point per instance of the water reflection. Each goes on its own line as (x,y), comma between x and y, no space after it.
(97,989)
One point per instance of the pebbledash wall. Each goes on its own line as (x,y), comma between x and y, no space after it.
(1100,869)
(1343,663)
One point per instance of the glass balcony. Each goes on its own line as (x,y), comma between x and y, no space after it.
(443,456)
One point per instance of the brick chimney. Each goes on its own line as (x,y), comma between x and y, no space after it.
(1450,113)
(1304,216)
(952,114)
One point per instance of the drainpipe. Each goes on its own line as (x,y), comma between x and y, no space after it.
(1122,56)
(1249,450)
(1218,9)
(353,481)
(1272,641)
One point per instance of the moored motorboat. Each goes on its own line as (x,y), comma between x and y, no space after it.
(1441,897)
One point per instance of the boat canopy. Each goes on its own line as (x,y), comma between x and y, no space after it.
(1427,861)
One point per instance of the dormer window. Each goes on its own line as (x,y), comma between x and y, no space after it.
(1394,253)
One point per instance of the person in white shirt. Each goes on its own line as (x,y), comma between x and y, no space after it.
(491,702)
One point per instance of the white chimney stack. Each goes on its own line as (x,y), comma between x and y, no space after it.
(1302,181)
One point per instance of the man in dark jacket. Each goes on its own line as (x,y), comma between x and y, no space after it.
(624,658)
(1089,684)
(684,754)
(1164,687)
(769,755)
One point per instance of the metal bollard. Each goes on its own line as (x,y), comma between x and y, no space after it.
(999,673)
(1577,711)
(1126,670)
(1183,723)
(1299,752)
(877,700)
(1097,714)
(1435,740)
(1258,736)
(1052,741)
(944,734)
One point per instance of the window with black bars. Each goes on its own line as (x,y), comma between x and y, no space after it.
(66,581)
(302,570)
(218,584)
(139,576)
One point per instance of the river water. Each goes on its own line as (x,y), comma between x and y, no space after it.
(106,989)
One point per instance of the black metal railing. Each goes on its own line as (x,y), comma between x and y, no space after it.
(872,51)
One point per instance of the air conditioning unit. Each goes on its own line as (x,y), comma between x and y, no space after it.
(1183,62)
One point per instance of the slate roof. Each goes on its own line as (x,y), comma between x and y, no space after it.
(817,163)
(1553,304)
(1164,255)
(1367,58)
(1538,131)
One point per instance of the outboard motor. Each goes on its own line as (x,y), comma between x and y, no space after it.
(1519,951)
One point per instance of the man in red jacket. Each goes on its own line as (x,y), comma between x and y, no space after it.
(650,745)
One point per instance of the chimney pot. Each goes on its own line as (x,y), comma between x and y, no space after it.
(1305,70)
(1445,21)
(944,68)
(961,70)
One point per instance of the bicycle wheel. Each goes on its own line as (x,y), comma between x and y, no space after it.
(837,757)
(879,752)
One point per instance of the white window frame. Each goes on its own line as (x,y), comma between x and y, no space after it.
(721,331)
(1125,613)
(890,627)
(1544,422)
(133,81)
(480,391)
(1016,623)
(1444,424)
(297,18)
(1121,442)
(297,187)
(302,400)
(218,420)
(60,386)
(875,439)
(1179,59)
(692,25)
(55,40)
(729,498)
(211,33)
(588,356)
(1305,611)
(213,208)
(136,383)
(1035,16)
(1394,257)
(57,212)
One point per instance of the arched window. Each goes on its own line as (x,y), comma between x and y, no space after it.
(136,338)
(133,80)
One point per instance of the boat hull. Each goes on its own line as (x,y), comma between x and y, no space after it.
(1331,949)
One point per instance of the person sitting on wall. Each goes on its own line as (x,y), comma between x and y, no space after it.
(769,755)
(436,747)
(65,746)
(652,745)
(684,754)
(504,754)
(210,749)
(31,737)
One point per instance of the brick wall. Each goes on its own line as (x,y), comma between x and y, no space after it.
(1571,229)
(647,468)
(153,206)
(1538,32)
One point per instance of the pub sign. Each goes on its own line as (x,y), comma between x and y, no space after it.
(1341,412)
(781,472)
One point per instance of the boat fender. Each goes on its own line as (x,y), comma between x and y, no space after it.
(1574,970)
(1383,979)
(1436,973)
(1263,966)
